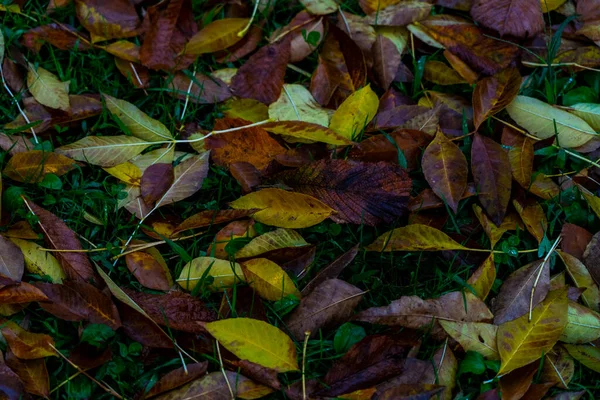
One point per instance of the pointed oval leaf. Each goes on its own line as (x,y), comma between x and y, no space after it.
(522,341)
(126,172)
(188,178)
(540,118)
(355,113)
(533,216)
(277,239)
(296,103)
(40,262)
(224,273)
(256,341)
(32,166)
(150,269)
(140,124)
(268,279)
(105,151)
(305,131)
(284,209)
(415,237)
(520,155)
(12,262)
(588,355)
(491,170)
(588,112)
(33,373)
(559,367)
(47,89)
(583,325)
(474,336)
(520,18)
(217,35)
(27,345)
(446,170)
(492,94)
(483,278)
(582,279)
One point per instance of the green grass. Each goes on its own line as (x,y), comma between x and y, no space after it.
(91,190)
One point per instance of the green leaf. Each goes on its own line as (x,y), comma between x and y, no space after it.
(581,94)
(346,336)
(473,363)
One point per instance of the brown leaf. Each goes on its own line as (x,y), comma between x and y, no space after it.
(445,169)
(32,166)
(494,93)
(61,36)
(10,385)
(329,304)
(212,217)
(156,180)
(416,313)
(136,74)
(533,216)
(248,305)
(246,174)
(520,155)
(400,14)
(427,199)
(176,310)
(156,51)
(514,297)
(150,269)
(86,356)
(12,262)
(27,345)
(380,148)
(258,373)
(591,257)
(245,46)
(298,29)
(108,19)
(402,117)
(203,89)
(386,60)
(233,230)
(341,70)
(21,293)
(100,308)
(411,391)
(520,18)
(177,377)
(491,167)
(332,270)
(515,384)
(63,302)
(252,145)
(76,265)
(368,362)
(558,368)
(359,192)
(574,240)
(140,329)
(261,76)
(33,374)
(15,144)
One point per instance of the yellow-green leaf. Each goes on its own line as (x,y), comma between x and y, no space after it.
(296,103)
(583,325)
(224,273)
(582,279)
(40,262)
(544,121)
(588,112)
(105,151)
(256,341)
(268,279)
(284,209)
(47,89)
(306,132)
(140,124)
(273,240)
(474,336)
(217,35)
(355,113)
(126,172)
(586,354)
(522,341)
(249,109)
(415,237)
(483,278)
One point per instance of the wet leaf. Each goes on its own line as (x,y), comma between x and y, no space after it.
(483,278)
(332,270)
(296,103)
(268,279)
(202,89)
(33,374)
(328,304)
(587,355)
(305,131)
(386,59)
(26,345)
(558,368)
(256,341)
(188,178)
(270,241)
(155,182)
(18,293)
(212,217)
(284,209)
(150,269)
(583,279)
(177,378)
(522,341)
(11,385)
(533,216)
(40,262)
(445,168)
(583,325)
(108,20)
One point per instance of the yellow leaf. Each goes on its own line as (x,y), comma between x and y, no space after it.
(415,238)
(217,35)
(582,279)
(225,273)
(248,109)
(105,151)
(483,278)
(493,232)
(583,325)
(273,240)
(355,113)
(126,172)
(544,121)
(268,279)
(296,103)
(549,5)
(256,341)
(40,262)
(32,166)
(474,336)
(441,74)
(306,132)
(588,112)
(140,124)
(593,201)
(585,354)
(534,217)
(521,341)
(47,89)
(284,209)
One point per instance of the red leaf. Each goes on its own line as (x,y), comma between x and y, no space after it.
(520,18)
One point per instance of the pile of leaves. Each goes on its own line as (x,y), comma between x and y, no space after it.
(382,199)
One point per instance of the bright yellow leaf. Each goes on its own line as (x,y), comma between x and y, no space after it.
(126,172)
(268,279)
(415,237)
(217,35)
(355,113)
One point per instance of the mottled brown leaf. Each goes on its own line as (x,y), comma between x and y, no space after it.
(202,89)
(177,377)
(591,257)
(142,330)
(212,217)
(26,345)
(245,46)
(574,240)
(61,36)
(156,51)
(108,19)
(20,293)
(515,384)
(494,93)
(359,192)
(520,155)
(261,76)
(10,385)
(12,262)
(100,308)
(491,170)
(33,374)
(520,18)
(150,269)
(400,14)
(32,166)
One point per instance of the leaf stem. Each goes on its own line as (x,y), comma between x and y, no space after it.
(539,274)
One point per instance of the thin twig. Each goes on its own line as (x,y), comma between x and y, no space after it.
(539,274)
(306,336)
(223,371)
(187,93)
(299,70)
(345,21)
(35,138)
(243,31)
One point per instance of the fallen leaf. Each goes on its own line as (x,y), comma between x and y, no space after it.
(510,17)
(582,279)
(268,279)
(12,261)
(40,262)
(228,234)
(522,341)
(11,385)
(305,131)
(105,151)
(441,74)
(61,36)
(474,336)
(33,374)
(515,384)
(47,89)
(150,269)
(108,20)
(256,341)
(284,209)
(31,166)
(330,303)
(200,89)
(217,35)
(212,217)
(188,178)
(386,60)
(558,368)
(355,113)
(483,278)
(178,377)
(332,270)
(296,103)
(224,273)
(533,216)
(280,238)
(126,172)
(445,169)
(19,293)
(26,345)
(155,182)
(587,355)
(492,94)
(415,238)
(446,368)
